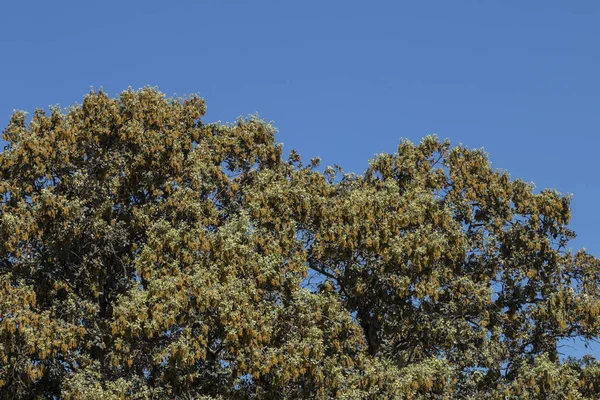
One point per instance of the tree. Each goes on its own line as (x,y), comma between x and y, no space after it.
(147,254)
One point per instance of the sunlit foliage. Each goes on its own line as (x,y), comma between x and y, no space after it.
(147,254)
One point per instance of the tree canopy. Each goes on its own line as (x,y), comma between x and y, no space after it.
(148,254)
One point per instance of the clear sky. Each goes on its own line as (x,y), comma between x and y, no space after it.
(343,80)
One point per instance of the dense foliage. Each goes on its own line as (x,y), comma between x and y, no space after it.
(146,254)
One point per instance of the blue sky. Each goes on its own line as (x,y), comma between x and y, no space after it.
(343,80)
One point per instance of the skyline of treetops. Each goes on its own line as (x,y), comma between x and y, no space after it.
(147,254)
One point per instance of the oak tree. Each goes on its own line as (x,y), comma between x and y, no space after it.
(148,254)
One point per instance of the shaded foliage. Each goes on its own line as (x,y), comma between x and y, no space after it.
(146,254)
